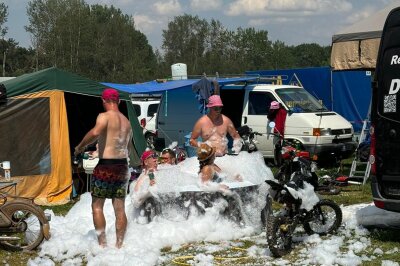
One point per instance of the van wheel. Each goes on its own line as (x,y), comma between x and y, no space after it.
(150,140)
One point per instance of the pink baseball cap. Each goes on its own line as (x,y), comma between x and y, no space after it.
(146,155)
(110,94)
(274,105)
(214,100)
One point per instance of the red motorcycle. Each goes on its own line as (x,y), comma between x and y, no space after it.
(295,160)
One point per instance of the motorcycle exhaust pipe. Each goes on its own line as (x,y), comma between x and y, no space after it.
(9,238)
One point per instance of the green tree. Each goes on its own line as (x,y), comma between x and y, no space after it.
(97,41)
(310,55)
(282,57)
(185,41)
(19,60)
(3,19)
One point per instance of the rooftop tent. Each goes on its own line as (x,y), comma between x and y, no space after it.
(46,115)
(356,47)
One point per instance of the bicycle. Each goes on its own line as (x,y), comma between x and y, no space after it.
(23,224)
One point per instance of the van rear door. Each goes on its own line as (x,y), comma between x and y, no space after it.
(385,114)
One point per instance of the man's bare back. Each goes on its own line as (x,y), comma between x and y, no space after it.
(114,139)
(113,133)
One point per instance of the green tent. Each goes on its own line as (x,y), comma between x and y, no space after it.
(47,114)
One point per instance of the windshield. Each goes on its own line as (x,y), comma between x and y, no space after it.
(298,100)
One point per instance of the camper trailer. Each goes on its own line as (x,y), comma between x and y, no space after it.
(385,118)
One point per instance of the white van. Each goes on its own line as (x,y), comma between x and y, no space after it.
(322,132)
(146,107)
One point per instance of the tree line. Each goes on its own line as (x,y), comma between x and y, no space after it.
(103,44)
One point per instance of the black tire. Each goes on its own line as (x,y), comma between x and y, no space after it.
(150,140)
(324,218)
(27,221)
(150,209)
(279,241)
(266,212)
(363,153)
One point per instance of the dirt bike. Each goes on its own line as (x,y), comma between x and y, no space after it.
(23,224)
(324,218)
(247,134)
(293,159)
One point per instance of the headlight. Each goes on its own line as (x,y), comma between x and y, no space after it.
(321,131)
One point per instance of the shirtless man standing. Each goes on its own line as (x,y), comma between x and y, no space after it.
(213,127)
(110,176)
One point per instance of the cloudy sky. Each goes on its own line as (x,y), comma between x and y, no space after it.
(291,21)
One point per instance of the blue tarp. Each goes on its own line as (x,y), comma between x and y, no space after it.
(154,86)
(346,92)
(351,95)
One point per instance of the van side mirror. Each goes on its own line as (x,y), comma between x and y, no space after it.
(271,124)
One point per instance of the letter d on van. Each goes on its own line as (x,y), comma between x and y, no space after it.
(394,86)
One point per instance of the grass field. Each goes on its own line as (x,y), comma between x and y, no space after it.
(387,240)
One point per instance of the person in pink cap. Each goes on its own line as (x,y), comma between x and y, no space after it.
(140,188)
(277,113)
(213,128)
(111,175)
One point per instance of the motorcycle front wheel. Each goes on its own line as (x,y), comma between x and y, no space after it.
(279,237)
(26,229)
(324,218)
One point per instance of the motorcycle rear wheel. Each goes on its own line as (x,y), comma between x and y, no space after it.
(279,240)
(26,221)
(326,218)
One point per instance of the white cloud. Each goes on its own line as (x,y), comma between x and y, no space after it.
(204,5)
(274,7)
(144,23)
(116,3)
(275,20)
(360,14)
(170,7)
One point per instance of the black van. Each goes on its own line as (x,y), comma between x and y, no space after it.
(385,118)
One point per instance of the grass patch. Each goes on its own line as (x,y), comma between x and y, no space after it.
(61,210)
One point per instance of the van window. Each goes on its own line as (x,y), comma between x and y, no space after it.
(137,109)
(152,109)
(298,100)
(259,102)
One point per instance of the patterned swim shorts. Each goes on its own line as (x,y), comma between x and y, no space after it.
(110,178)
